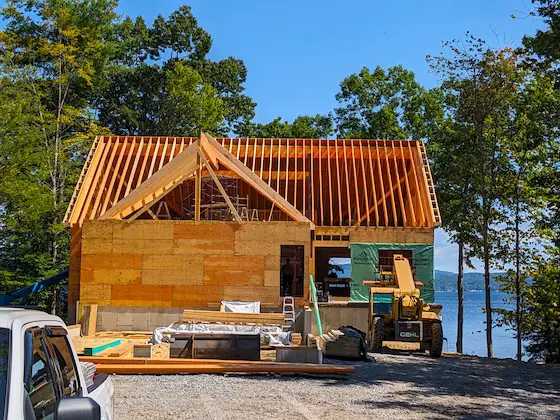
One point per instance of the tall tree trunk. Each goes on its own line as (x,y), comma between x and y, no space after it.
(460,298)
(517,280)
(486,258)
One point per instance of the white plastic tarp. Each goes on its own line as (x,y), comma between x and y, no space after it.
(241,307)
(270,335)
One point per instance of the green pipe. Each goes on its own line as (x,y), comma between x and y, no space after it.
(316,306)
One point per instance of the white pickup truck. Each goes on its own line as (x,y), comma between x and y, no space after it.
(40,374)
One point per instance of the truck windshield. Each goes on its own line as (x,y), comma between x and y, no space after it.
(4,360)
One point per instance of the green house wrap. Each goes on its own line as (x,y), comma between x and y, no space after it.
(365,266)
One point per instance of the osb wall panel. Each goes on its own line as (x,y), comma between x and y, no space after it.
(183,263)
(74,275)
(393,235)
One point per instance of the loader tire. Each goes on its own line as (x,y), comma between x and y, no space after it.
(436,345)
(377,336)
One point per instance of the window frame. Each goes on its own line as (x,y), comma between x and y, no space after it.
(38,332)
(52,356)
(8,373)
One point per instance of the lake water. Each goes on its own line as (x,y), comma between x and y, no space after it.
(474,324)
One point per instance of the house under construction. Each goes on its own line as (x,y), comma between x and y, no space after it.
(160,224)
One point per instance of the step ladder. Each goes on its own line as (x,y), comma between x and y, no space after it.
(289,311)
(163,212)
(254,215)
(81,179)
(430,182)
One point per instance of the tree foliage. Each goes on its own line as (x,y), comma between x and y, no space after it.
(52,52)
(153,73)
(481,86)
(386,104)
(318,126)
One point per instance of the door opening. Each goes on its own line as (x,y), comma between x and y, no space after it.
(291,270)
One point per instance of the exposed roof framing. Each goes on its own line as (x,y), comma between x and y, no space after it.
(335,182)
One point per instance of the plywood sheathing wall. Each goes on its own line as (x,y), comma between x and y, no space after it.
(183,263)
(74,276)
(393,235)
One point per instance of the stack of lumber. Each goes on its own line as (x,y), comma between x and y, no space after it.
(175,366)
(91,346)
(195,316)
(296,339)
(125,334)
(113,345)
(328,337)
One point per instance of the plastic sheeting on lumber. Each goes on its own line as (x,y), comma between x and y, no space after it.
(270,335)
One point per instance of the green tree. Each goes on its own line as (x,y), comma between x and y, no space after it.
(52,52)
(453,166)
(545,44)
(318,126)
(541,324)
(484,84)
(133,96)
(386,104)
(532,128)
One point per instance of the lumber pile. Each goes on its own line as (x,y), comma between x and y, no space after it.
(296,339)
(125,334)
(220,366)
(196,316)
(139,365)
(328,337)
(91,346)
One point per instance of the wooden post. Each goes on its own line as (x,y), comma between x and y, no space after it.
(198,183)
(89,321)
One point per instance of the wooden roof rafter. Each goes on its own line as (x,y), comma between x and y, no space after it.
(379,183)
(228,160)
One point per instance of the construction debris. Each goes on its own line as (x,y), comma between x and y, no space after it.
(347,342)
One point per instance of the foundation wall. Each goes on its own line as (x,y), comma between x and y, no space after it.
(139,318)
(184,264)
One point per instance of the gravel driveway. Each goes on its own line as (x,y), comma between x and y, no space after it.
(389,387)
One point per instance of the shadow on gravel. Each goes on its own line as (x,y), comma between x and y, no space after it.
(463,376)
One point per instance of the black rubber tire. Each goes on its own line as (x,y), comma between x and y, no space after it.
(378,334)
(436,345)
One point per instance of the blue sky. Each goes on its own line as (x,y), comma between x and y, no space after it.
(298,52)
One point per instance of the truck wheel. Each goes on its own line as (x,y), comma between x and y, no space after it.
(437,339)
(377,335)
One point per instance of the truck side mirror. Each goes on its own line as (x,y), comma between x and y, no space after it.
(77,408)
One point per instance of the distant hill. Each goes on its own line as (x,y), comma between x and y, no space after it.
(447,281)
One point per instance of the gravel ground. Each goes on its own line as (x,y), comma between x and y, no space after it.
(387,387)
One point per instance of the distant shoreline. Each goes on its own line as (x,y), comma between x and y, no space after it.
(446,281)
(468,291)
